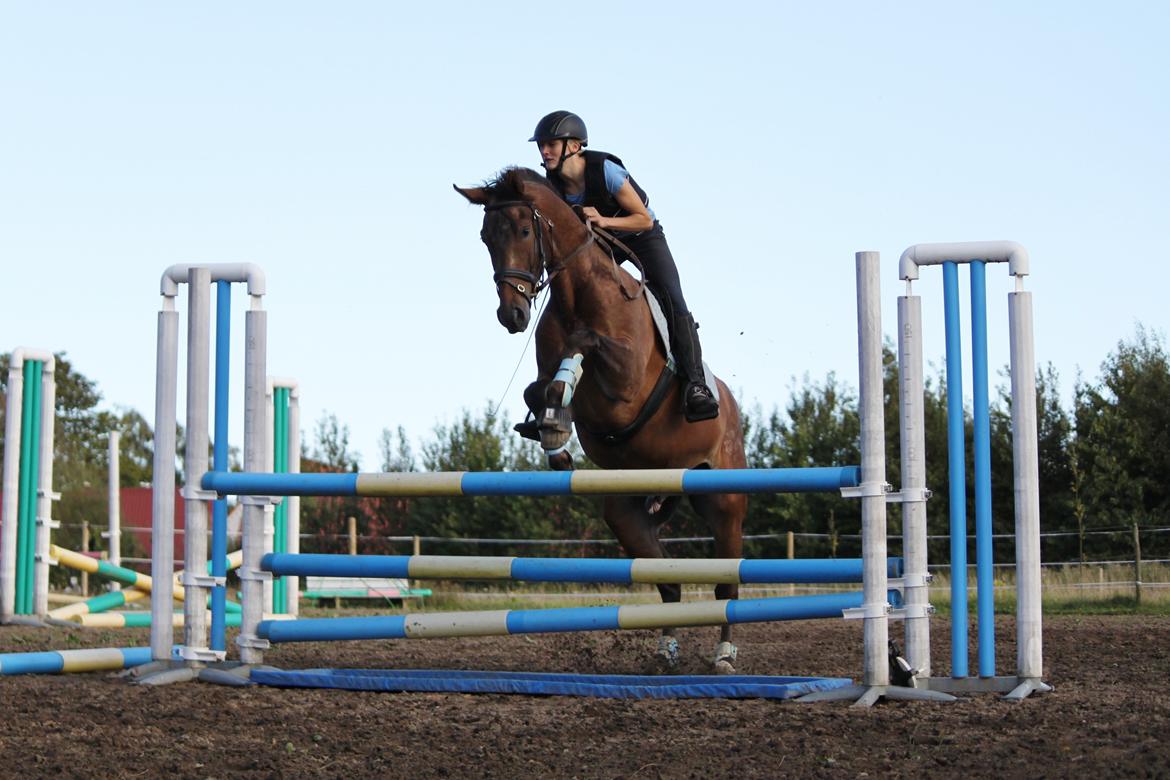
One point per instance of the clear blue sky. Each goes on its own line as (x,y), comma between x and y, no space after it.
(320,140)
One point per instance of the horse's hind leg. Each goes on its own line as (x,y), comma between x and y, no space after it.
(724,514)
(637,532)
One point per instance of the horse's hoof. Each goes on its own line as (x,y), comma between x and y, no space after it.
(667,653)
(562,461)
(724,660)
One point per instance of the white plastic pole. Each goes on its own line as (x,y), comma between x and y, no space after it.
(1027,495)
(964,252)
(912,431)
(875,604)
(162,526)
(11,487)
(114,534)
(195,631)
(257,509)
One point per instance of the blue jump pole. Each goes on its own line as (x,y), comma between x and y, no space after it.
(535,621)
(537,483)
(984,565)
(956,470)
(610,570)
(219,461)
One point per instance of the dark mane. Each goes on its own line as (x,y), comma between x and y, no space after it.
(508,184)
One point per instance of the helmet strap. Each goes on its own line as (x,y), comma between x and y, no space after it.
(565,154)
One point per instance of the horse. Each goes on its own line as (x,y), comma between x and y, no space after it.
(600,368)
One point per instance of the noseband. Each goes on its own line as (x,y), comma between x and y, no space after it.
(535,282)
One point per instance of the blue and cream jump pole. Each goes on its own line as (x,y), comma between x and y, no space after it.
(28,485)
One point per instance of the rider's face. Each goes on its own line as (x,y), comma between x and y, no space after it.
(550,153)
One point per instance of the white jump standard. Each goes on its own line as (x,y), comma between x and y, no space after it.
(889,589)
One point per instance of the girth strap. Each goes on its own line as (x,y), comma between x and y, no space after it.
(653,401)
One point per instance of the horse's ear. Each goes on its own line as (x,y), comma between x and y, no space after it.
(477,195)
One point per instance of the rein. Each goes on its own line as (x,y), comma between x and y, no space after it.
(549,272)
(609,241)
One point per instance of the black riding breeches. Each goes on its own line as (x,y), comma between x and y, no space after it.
(661,272)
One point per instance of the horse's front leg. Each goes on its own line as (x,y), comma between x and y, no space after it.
(556,419)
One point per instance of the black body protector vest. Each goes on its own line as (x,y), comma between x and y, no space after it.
(597,194)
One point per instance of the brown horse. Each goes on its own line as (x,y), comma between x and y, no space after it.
(597,327)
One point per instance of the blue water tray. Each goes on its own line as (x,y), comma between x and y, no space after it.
(609,686)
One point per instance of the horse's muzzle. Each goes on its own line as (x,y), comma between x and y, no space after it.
(513,316)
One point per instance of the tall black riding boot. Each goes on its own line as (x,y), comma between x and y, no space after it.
(698,401)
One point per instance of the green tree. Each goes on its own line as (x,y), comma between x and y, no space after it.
(1123,436)
(820,427)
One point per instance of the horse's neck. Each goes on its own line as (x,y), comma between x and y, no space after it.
(588,292)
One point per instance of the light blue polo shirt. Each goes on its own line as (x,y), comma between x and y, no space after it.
(615,177)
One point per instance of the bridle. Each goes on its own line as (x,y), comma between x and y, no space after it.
(535,281)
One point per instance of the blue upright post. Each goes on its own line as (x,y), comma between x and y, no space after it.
(984,566)
(956,470)
(223,318)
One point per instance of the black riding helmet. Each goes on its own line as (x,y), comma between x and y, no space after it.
(560,125)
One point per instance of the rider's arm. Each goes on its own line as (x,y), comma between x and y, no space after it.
(639,218)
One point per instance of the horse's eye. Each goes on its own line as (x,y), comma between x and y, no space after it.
(525,232)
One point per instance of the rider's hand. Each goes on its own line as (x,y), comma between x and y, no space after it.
(591,215)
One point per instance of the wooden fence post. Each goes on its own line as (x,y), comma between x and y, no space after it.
(85,551)
(1137,565)
(791,555)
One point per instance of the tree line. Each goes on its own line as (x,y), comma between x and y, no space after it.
(1103,466)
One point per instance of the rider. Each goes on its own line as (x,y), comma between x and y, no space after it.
(609,198)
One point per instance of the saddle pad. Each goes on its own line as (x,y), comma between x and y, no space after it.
(663,331)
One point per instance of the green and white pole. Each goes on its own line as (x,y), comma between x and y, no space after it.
(284,457)
(27,481)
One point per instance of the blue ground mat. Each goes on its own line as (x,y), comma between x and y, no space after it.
(610,686)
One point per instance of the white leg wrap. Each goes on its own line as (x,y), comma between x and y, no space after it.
(724,660)
(569,372)
(668,650)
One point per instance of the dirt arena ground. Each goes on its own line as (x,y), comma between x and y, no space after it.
(1109,715)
